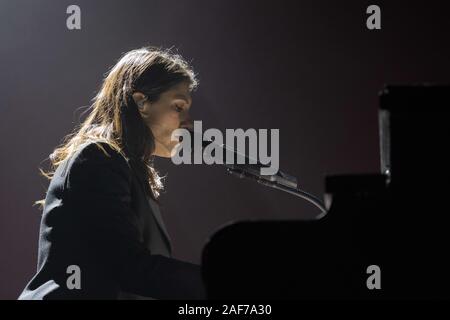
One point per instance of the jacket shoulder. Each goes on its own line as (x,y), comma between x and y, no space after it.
(93,155)
(99,151)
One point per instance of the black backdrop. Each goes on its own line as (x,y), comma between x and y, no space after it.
(310,68)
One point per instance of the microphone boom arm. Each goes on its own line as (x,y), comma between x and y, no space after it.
(280,181)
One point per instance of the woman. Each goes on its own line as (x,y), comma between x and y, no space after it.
(102,235)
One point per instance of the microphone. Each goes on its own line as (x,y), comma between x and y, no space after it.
(280,180)
(251,168)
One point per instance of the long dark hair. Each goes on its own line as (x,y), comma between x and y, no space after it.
(114,117)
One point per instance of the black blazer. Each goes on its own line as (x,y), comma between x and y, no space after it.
(98,218)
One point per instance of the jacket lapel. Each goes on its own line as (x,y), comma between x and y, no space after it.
(158,217)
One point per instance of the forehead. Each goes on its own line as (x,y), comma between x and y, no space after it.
(180,91)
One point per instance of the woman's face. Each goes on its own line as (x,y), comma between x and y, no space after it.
(170,112)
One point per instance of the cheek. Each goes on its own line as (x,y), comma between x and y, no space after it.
(164,124)
(170,120)
(164,118)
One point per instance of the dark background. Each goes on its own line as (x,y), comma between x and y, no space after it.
(310,68)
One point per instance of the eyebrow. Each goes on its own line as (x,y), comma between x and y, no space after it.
(182,96)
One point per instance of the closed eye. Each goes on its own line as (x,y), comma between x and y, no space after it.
(178,108)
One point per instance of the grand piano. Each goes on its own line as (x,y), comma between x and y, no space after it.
(383,236)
